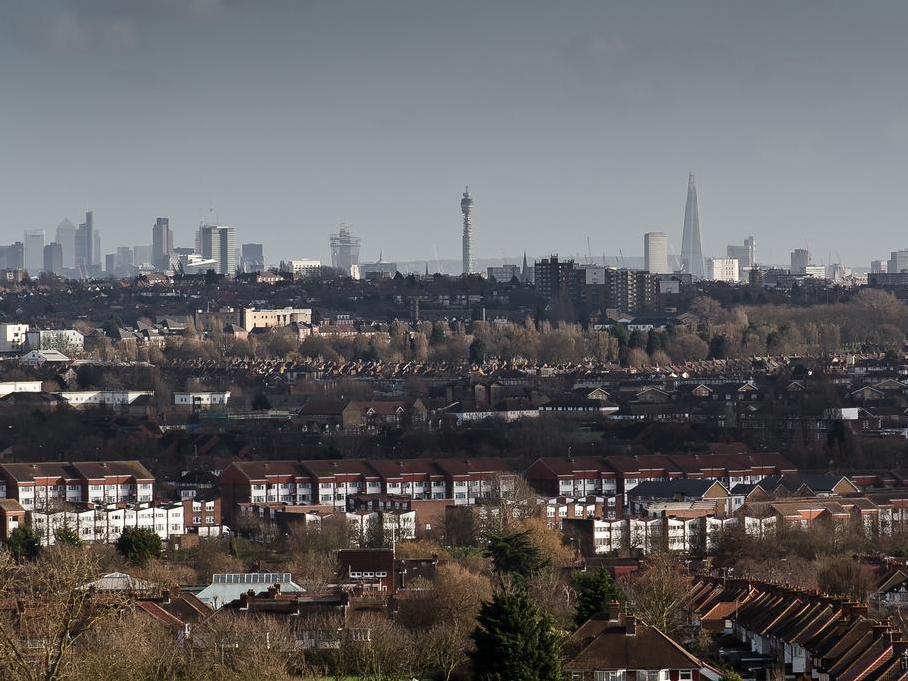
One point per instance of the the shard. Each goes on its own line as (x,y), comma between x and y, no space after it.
(691,251)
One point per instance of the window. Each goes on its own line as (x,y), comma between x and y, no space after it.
(685,675)
(617,675)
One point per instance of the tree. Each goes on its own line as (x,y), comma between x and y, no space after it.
(138,544)
(477,351)
(56,612)
(515,641)
(594,590)
(260,402)
(67,535)
(515,554)
(844,577)
(657,593)
(23,543)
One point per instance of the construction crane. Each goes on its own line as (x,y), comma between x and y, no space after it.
(589,251)
(621,259)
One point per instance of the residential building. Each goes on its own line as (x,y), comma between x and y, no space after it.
(879,266)
(202,516)
(13,337)
(367,570)
(201,401)
(614,646)
(556,279)
(117,400)
(722,269)
(503,273)
(47,485)
(301,268)
(104,523)
(12,517)
(655,253)
(63,340)
(218,244)
(226,588)
(251,318)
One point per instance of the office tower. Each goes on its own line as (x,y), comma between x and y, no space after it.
(141,255)
(15,256)
(878,266)
(655,253)
(252,258)
(34,250)
(800,260)
(161,244)
(691,250)
(53,257)
(110,263)
(218,245)
(84,245)
(66,237)
(898,262)
(722,269)
(124,261)
(96,249)
(746,255)
(344,250)
(466,207)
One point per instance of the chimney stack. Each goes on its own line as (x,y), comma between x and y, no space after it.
(630,625)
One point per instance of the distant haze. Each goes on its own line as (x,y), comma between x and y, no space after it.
(569,120)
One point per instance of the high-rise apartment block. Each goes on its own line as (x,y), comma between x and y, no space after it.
(218,244)
(879,266)
(655,252)
(161,244)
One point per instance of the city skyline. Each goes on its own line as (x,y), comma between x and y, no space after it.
(596,110)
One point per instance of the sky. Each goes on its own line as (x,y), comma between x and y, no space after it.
(571,121)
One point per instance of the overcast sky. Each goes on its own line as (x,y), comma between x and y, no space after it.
(567,119)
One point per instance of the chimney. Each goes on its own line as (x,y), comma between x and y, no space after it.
(613,610)
(630,625)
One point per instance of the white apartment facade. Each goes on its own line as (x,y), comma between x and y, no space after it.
(722,269)
(104,523)
(13,337)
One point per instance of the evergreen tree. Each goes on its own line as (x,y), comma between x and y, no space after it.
(68,536)
(477,351)
(515,641)
(594,591)
(23,543)
(138,544)
(515,554)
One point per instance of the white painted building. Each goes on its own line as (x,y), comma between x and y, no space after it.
(105,523)
(7,387)
(722,269)
(116,399)
(302,268)
(63,340)
(12,337)
(201,400)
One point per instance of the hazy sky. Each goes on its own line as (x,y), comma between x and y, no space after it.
(567,119)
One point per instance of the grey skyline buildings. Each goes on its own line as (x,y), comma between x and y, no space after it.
(746,256)
(691,248)
(466,207)
(84,244)
(252,258)
(66,237)
(161,244)
(219,244)
(34,250)
(344,249)
(53,258)
(655,253)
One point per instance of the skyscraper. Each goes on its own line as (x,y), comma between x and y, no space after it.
(746,256)
(218,244)
(66,237)
(344,250)
(691,250)
(53,257)
(655,253)
(800,260)
(466,207)
(34,250)
(84,245)
(161,244)
(252,258)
